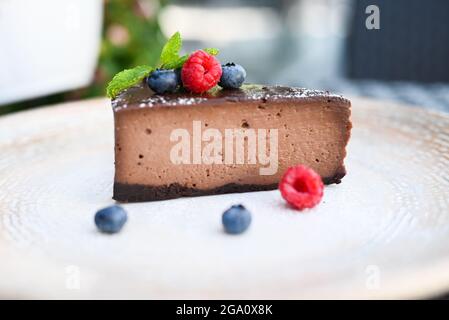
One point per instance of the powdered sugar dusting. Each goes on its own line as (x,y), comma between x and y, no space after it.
(141,96)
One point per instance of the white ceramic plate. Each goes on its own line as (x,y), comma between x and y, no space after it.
(382,233)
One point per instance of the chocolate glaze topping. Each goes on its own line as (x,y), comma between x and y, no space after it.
(141,96)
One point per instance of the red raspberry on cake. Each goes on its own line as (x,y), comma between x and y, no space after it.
(301,187)
(200,72)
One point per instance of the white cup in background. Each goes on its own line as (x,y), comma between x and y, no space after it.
(47,46)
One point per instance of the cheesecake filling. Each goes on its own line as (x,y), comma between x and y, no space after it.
(165,150)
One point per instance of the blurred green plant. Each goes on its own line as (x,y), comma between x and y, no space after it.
(131,36)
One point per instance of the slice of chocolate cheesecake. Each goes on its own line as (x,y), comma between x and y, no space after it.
(223,141)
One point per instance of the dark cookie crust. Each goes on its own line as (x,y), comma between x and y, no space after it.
(139,193)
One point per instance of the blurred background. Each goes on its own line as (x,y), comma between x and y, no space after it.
(55,51)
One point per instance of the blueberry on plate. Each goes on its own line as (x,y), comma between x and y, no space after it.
(164,81)
(232,77)
(236,219)
(111,219)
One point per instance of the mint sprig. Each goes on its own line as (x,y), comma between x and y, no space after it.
(170,51)
(169,59)
(212,51)
(127,78)
(176,63)
(179,61)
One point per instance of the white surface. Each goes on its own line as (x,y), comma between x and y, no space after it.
(48,46)
(382,233)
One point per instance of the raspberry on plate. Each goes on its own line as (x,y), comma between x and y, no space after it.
(200,72)
(301,187)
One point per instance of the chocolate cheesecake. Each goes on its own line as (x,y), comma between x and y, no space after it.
(223,141)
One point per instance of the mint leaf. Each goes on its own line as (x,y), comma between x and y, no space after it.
(169,59)
(170,51)
(212,51)
(126,79)
(178,63)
